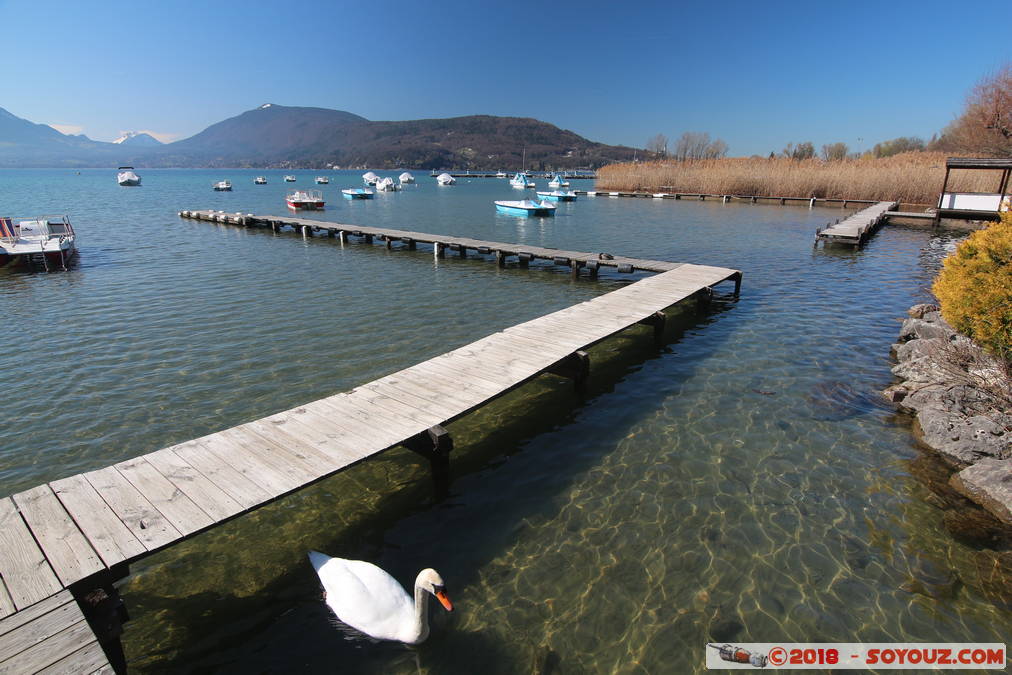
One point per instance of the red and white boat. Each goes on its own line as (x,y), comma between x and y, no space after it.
(305,199)
(46,242)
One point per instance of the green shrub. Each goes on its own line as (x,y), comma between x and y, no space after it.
(974,288)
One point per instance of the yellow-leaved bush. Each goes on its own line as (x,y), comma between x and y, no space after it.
(974,288)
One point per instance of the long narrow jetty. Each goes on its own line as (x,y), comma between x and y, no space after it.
(725,198)
(503,252)
(853,231)
(63,544)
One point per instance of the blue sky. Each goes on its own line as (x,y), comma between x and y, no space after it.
(757,74)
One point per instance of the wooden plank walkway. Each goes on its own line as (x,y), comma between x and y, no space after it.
(76,530)
(854,230)
(50,636)
(724,198)
(503,252)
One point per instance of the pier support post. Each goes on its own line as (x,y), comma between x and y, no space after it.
(500,258)
(574,268)
(331,233)
(737,282)
(368,238)
(461,250)
(576,367)
(275,226)
(389,242)
(343,235)
(525,259)
(412,244)
(438,250)
(105,612)
(703,297)
(658,320)
(307,230)
(592,267)
(435,444)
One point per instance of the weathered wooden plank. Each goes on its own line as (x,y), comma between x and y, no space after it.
(145,522)
(15,621)
(40,628)
(272,480)
(111,539)
(52,650)
(378,400)
(23,567)
(356,411)
(276,456)
(6,603)
(299,444)
(325,433)
(88,659)
(240,488)
(64,545)
(211,499)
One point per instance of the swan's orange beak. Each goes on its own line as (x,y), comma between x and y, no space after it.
(445,600)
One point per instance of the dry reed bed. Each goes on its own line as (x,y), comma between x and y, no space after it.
(914,177)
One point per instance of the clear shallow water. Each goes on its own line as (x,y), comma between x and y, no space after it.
(716,489)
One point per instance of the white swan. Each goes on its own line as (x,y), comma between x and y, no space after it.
(370,600)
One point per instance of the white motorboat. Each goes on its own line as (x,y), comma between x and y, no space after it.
(322,180)
(387,185)
(406,178)
(260,180)
(127,177)
(445,179)
(223,186)
(289,179)
(369,178)
(305,199)
(47,242)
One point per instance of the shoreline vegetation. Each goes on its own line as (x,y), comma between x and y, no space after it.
(910,177)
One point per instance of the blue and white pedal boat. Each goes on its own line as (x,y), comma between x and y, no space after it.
(357,193)
(525,207)
(558,196)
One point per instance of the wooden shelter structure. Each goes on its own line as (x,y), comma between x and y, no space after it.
(975,205)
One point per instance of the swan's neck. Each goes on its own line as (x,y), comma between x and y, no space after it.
(421,627)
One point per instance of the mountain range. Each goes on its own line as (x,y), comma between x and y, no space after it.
(299,137)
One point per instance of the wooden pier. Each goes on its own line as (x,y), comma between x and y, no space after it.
(500,251)
(63,544)
(853,231)
(727,198)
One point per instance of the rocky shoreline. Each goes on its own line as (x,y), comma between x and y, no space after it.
(960,397)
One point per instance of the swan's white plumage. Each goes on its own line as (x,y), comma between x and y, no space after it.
(368,599)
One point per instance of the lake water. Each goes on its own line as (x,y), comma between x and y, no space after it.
(740,484)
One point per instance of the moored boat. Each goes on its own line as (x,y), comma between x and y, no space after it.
(387,185)
(406,178)
(369,178)
(47,242)
(445,179)
(305,199)
(260,180)
(557,182)
(127,177)
(357,193)
(322,180)
(521,181)
(525,207)
(558,195)
(223,186)
(289,179)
